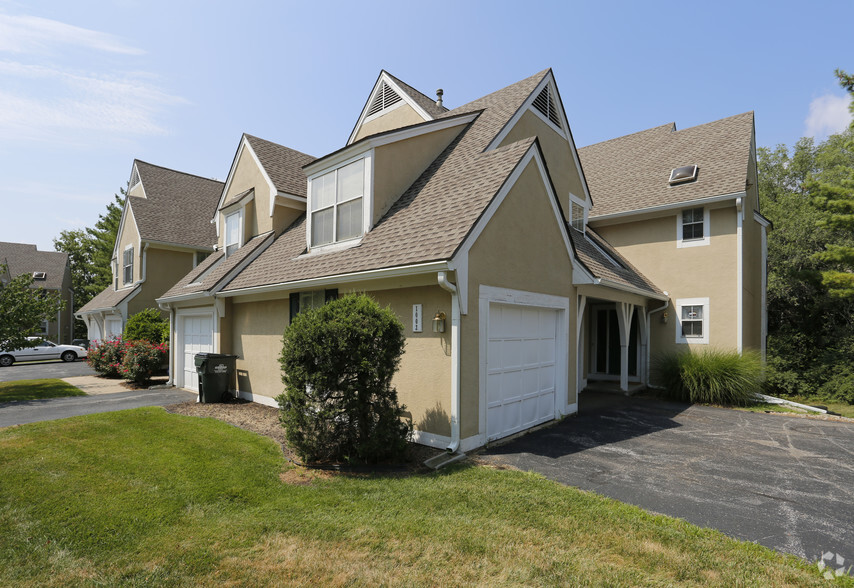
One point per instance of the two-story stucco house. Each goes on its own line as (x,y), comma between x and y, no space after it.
(164,232)
(479,227)
(50,270)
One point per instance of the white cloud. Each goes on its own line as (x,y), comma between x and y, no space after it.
(41,102)
(32,34)
(828,114)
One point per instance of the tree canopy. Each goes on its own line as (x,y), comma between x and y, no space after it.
(23,308)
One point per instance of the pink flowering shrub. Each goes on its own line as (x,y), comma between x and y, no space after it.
(105,357)
(142,360)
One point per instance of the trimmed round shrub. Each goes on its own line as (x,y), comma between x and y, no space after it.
(147,325)
(710,376)
(105,357)
(142,360)
(338,362)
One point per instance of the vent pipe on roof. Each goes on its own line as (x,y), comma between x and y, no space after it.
(439,93)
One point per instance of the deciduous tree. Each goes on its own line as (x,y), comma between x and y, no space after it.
(23,308)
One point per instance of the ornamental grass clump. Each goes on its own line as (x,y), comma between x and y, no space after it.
(338,362)
(710,376)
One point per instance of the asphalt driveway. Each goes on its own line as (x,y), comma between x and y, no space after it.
(784,482)
(35,370)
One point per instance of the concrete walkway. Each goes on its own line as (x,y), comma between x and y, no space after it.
(93,385)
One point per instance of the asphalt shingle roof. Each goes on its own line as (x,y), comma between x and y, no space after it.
(23,258)
(632,172)
(430,220)
(423,100)
(593,251)
(283,165)
(177,207)
(108,298)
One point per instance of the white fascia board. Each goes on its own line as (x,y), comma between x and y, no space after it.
(183,297)
(240,203)
(244,144)
(333,160)
(384,77)
(630,289)
(548,79)
(533,154)
(620,216)
(757,216)
(122,226)
(291,200)
(188,248)
(392,272)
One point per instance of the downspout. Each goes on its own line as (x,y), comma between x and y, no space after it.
(455,361)
(649,314)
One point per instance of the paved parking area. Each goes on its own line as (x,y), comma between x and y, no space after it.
(36,370)
(784,482)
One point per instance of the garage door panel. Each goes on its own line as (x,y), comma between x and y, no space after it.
(521,352)
(197,337)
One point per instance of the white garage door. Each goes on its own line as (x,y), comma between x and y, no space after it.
(520,387)
(196,336)
(113,328)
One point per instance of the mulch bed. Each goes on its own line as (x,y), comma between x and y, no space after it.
(264,420)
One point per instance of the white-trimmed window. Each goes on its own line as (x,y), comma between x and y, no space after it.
(233,232)
(127,265)
(577,213)
(692,227)
(692,320)
(337,202)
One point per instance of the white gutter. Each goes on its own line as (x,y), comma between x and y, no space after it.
(739,268)
(393,272)
(630,289)
(455,360)
(649,314)
(594,220)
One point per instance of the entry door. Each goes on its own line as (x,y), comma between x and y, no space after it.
(197,336)
(606,343)
(521,367)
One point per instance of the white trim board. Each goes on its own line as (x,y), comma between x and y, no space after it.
(244,144)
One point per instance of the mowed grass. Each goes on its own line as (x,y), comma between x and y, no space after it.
(37,390)
(840,408)
(147,498)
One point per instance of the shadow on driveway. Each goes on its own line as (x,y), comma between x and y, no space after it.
(781,481)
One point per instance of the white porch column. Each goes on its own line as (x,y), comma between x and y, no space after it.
(625,311)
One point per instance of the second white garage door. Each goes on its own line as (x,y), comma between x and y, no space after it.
(196,336)
(521,367)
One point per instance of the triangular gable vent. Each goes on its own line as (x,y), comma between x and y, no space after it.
(545,103)
(385,98)
(134,178)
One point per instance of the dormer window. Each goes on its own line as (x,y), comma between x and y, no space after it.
(127,265)
(336,201)
(233,232)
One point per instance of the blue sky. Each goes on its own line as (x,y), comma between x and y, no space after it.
(86,87)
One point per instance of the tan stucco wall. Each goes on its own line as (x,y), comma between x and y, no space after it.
(558,154)
(255,332)
(753,265)
(164,268)
(398,165)
(521,248)
(138,190)
(129,236)
(402,116)
(247,174)
(691,272)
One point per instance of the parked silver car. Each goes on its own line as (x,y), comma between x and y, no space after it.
(42,349)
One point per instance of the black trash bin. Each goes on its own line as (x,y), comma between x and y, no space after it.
(216,371)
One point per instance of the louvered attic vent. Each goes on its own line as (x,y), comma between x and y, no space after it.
(384,98)
(134,179)
(39,275)
(546,105)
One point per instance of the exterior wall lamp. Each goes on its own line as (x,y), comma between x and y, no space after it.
(439,322)
(664,317)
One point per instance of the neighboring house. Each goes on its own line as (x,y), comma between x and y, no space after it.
(50,270)
(164,232)
(471,224)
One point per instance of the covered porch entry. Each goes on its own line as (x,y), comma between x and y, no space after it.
(613,339)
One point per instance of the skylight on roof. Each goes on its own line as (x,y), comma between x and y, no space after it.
(385,97)
(686,173)
(39,275)
(545,103)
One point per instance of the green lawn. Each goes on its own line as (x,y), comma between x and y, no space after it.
(37,389)
(841,408)
(147,498)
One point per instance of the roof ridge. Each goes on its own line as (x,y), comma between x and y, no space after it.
(414,89)
(672,125)
(250,136)
(539,74)
(720,120)
(177,171)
